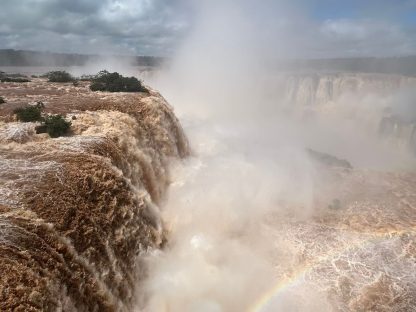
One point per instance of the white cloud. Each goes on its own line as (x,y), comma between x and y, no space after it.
(366,37)
(344,28)
(157,27)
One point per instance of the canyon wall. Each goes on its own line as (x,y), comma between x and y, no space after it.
(384,100)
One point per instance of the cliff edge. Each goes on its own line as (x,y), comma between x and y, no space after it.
(77,212)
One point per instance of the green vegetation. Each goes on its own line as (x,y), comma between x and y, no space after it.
(13,79)
(59,76)
(54,125)
(4,77)
(30,113)
(114,82)
(2,100)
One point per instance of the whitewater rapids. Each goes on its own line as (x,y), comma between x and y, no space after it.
(258,222)
(78,212)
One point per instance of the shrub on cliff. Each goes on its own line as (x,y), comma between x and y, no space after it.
(29,113)
(2,100)
(59,76)
(114,82)
(4,77)
(14,79)
(54,125)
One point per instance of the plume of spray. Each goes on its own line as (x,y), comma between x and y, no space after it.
(249,163)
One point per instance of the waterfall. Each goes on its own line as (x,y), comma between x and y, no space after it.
(77,213)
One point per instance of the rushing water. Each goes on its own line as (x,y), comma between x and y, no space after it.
(251,221)
(77,212)
(256,223)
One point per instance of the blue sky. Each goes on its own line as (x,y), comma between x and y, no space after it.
(409,17)
(319,28)
(404,10)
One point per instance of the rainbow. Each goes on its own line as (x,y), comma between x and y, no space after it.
(298,276)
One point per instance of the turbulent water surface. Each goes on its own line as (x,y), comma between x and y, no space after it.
(260,218)
(303,203)
(77,213)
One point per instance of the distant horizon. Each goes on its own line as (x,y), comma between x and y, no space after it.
(399,65)
(80,54)
(167,57)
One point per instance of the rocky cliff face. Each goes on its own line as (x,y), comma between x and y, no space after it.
(394,128)
(77,212)
(374,96)
(320,89)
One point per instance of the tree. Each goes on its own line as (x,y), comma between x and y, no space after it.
(55,125)
(114,82)
(29,113)
(14,79)
(59,76)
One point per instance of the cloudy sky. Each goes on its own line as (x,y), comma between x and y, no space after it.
(319,28)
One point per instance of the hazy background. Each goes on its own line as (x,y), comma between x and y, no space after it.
(249,146)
